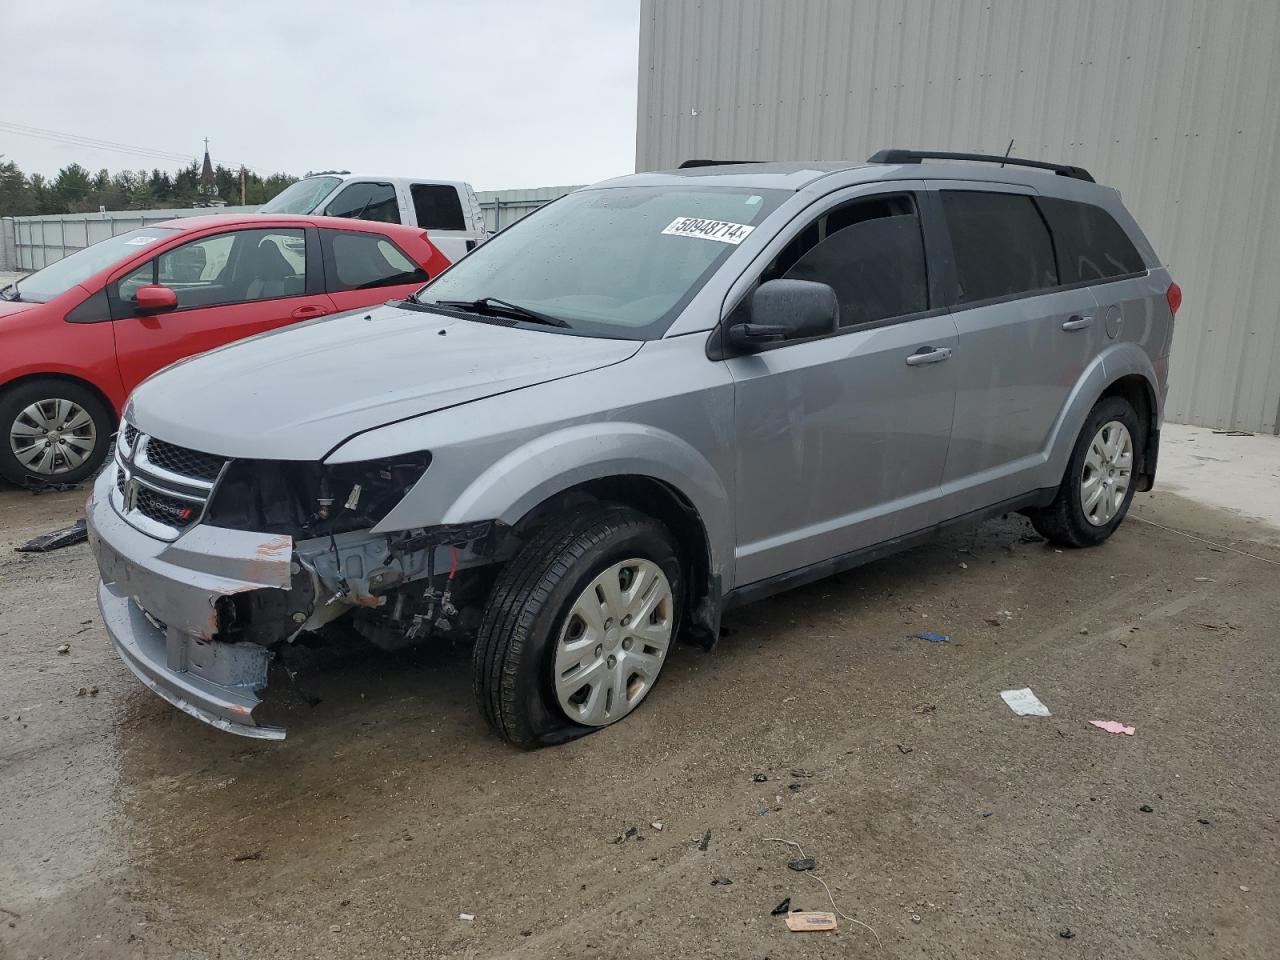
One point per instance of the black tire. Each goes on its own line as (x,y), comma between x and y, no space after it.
(1064,522)
(534,592)
(16,399)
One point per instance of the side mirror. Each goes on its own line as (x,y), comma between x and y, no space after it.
(154,298)
(787,310)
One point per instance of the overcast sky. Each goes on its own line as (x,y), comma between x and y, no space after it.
(504,93)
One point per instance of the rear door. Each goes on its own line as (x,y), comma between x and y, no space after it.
(362,268)
(229,285)
(1024,341)
(1094,251)
(841,440)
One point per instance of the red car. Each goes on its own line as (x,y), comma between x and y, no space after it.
(79,335)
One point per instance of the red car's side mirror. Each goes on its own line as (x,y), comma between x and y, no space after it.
(154,298)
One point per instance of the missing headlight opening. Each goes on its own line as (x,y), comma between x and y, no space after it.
(311,499)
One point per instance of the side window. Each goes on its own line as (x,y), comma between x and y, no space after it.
(366,201)
(226,268)
(437,207)
(871,252)
(1090,244)
(358,261)
(1001,244)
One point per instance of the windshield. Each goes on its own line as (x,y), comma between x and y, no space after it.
(301,197)
(614,262)
(60,276)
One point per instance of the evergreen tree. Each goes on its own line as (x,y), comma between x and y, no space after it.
(76,190)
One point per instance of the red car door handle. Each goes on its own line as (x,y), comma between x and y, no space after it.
(310,310)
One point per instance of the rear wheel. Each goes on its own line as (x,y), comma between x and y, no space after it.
(1098,486)
(578,626)
(52,431)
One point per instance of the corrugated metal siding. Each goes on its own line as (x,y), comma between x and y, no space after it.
(504,207)
(1174,102)
(39,241)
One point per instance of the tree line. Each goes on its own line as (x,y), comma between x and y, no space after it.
(76,190)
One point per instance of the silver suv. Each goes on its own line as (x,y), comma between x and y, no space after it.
(655,399)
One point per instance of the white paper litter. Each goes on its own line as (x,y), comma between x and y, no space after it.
(1025,703)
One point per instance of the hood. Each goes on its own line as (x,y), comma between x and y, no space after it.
(295,394)
(15,309)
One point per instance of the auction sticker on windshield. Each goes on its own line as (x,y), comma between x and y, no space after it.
(720,230)
(140,241)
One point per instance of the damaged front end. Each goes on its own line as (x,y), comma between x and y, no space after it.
(210,565)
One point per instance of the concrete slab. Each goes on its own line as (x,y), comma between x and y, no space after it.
(1236,473)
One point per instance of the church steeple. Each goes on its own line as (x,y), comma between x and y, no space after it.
(208,185)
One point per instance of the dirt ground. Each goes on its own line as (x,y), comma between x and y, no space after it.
(949,825)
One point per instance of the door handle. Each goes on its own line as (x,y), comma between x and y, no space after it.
(310,310)
(929,355)
(1077,322)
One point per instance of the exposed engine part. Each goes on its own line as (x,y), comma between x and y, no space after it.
(267,616)
(405,587)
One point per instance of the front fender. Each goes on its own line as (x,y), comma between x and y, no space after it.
(557,461)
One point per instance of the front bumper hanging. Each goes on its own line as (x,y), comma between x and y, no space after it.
(169,644)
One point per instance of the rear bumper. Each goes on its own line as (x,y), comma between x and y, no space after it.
(158,603)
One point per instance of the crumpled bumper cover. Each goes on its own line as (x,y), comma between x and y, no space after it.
(158,604)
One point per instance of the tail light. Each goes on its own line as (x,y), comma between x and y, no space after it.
(1174,296)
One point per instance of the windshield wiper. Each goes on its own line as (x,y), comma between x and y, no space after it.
(496,307)
(10,292)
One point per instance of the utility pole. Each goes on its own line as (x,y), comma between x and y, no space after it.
(242,184)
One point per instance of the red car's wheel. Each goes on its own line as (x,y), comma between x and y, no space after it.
(52,431)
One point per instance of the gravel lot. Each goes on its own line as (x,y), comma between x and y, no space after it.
(937,817)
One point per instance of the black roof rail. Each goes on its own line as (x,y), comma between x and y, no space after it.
(714,163)
(915,156)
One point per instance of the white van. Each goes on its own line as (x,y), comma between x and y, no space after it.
(448,209)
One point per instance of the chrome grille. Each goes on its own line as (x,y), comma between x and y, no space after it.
(160,488)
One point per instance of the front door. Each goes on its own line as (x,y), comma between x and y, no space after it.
(229,286)
(842,440)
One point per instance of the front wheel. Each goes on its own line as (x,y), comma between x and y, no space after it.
(1098,486)
(578,626)
(52,431)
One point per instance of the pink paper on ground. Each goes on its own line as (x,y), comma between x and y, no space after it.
(1113,726)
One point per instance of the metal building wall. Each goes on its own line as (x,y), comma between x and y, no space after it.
(504,207)
(39,241)
(1174,102)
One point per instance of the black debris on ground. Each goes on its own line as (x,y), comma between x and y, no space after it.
(57,539)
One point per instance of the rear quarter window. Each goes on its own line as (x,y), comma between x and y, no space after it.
(1091,245)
